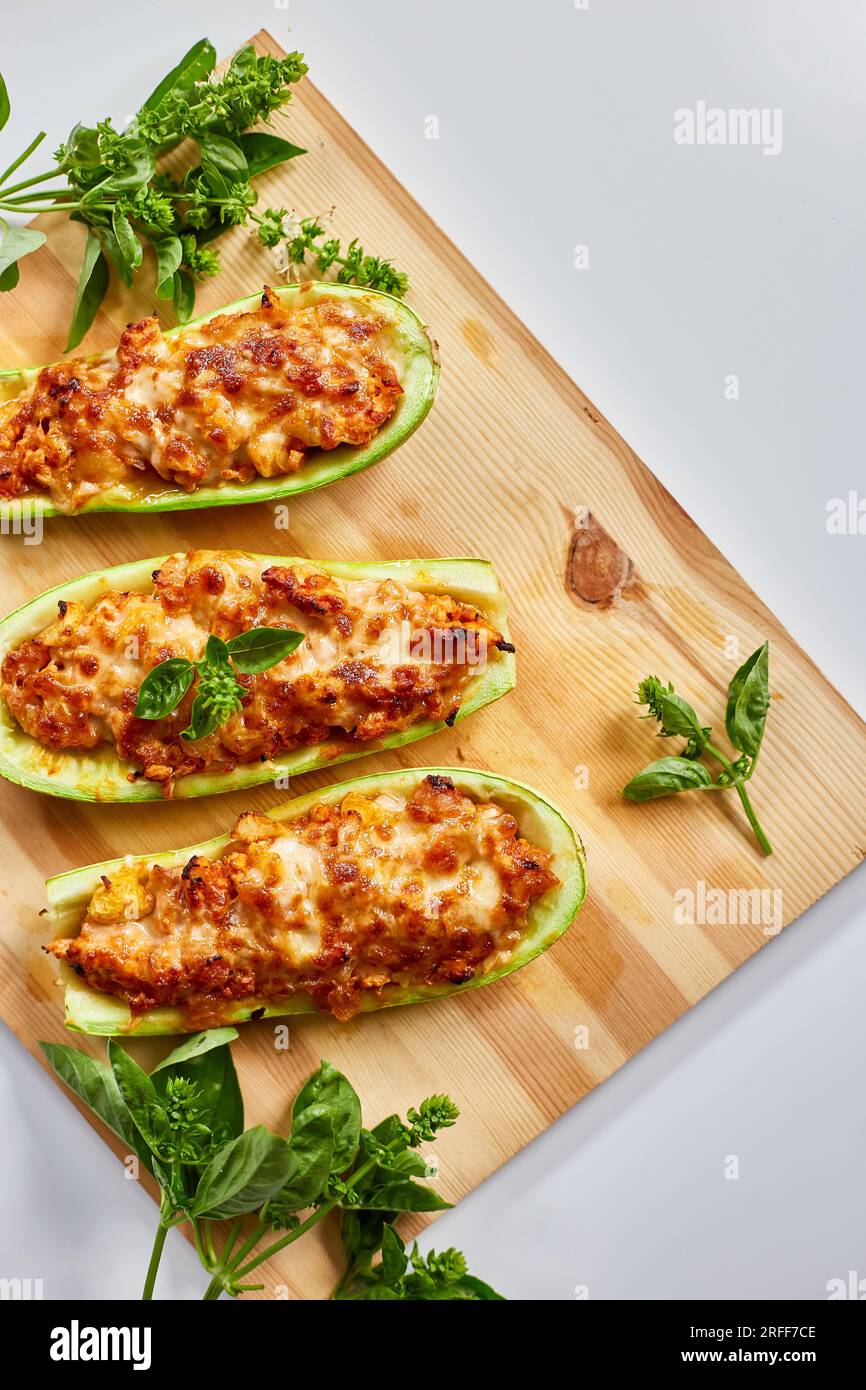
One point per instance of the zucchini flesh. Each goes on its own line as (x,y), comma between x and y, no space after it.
(89,1011)
(417,366)
(99,775)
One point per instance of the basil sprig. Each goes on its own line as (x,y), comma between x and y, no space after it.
(745,721)
(113,181)
(219,694)
(185,1121)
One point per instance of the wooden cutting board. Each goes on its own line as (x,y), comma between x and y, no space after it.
(608,580)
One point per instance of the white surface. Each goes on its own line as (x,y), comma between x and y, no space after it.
(556,129)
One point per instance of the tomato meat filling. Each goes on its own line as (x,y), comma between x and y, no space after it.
(245,395)
(377,657)
(349,901)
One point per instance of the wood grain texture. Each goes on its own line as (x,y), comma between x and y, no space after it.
(511,454)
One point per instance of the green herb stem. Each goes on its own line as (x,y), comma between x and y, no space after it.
(205,1251)
(52,207)
(230,1241)
(37,178)
(724,760)
(237,1270)
(228,1265)
(313,1220)
(753,819)
(16,164)
(737,780)
(155,1257)
(225,1266)
(307,1225)
(12,201)
(753,764)
(208,1238)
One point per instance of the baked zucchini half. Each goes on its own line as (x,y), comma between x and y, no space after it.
(415,357)
(99,775)
(90,1011)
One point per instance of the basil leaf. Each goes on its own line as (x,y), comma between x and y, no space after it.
(477,1289)
(362,1233)
(183,295)
(666,776)
(386,1131)
(409,1162)
(216,653)
(263,151)
(401,1194)
(263,647)
(219,1089)
(138,168)
(193,67)
(330,1088)
(458,1289)
(216,180)
(311,1146)
(174,1197)
(675,715)
(82,146)
(399,1166)
(128,243)
(375,1293)
(9,277)
(225,155)
(204,718)
(139,1095)
(90,290)
(244,60)
(679,718)
(394,1259)
(196,1046)
(243,1175)
(111,247)
(94,1083)
(16,242)
(207,1061)
(203,235)
(5,105)
(163,688)
(749,701)
(169,254)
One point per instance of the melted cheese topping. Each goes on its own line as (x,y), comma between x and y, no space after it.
(243,395)
(377,892)
(377,658)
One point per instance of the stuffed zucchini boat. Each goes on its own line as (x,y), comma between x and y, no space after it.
(392,889)
(388,653)
(273,395)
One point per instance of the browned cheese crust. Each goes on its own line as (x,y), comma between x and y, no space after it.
(242,396)
(349,901)
(377,658)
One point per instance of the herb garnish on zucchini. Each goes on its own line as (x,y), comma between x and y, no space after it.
(353,687)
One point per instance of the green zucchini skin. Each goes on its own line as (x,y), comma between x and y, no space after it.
(418,367)
(88,1011)
(100,776)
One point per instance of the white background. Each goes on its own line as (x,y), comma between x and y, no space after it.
(556,130)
